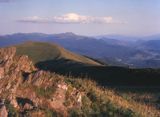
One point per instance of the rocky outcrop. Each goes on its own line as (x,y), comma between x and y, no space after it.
(10,63)
(12,68)
(27,88)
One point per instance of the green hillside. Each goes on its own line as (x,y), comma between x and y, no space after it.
(40,52)
(29,92)
(39,93)
(54,58)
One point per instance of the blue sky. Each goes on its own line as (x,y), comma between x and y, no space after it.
(85,17)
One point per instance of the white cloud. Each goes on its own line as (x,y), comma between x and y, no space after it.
(71,18)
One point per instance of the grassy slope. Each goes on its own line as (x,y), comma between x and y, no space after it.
(129,108)
(38,52)
(54,58)
(97,100)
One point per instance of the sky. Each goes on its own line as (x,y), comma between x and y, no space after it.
(84,17)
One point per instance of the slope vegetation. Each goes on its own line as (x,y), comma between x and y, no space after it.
(39,52)
(53,58)
(28,92)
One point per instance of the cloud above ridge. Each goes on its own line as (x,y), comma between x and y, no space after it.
(71,18)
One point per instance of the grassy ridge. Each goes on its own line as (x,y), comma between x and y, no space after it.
(96,100)
(39,51)
(53,58)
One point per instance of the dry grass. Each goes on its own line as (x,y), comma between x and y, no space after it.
(95,97)
(142,109)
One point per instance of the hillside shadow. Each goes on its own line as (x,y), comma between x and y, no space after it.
(105,75)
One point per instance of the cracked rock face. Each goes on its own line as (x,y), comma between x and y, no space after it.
(11,69)
(26,88)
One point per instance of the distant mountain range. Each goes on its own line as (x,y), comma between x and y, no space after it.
(114,50)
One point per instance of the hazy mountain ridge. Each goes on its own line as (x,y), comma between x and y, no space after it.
(121,50)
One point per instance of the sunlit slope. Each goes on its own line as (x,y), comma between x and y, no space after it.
(40,52)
